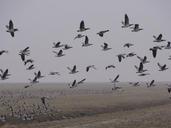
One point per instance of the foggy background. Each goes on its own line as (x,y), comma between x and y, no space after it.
(42,22)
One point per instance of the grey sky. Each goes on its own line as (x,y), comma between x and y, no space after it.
(42,22)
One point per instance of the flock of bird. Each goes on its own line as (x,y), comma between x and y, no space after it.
(24,54)
(140,70)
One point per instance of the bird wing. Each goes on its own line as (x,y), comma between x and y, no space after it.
(82,25)
(81,81)
(159,65)
(116,77)
(86,39)
(126,19)
(159,37)
(11,24)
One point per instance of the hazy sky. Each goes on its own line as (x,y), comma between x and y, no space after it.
(42,22)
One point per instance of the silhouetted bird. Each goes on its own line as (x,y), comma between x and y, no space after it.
(38,75)
(150,84)
(105,47)
(86,42)
(168,46)
(54,73)
(120,57)
(154,51)
(101,33)
(59,54)
(131,54)
(75,83)
(82,27)
(136,28)
(57,45)
(158,39)
(73,70)
(143,60)
(79,36)
(3,51)
(4,74)
(162,67)
(140,69)
(90,66)
(115,80)
(66,47)
(11,28)
(128,45)
(126,23)
(28,61)
(109,66)
(31,67)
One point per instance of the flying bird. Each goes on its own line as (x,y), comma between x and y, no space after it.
(11,28)
(89,67)
(31,67)
(128,45)
(140,69)
(78,36)
(109,66)
(143,60)
(120,57)
(73,70)
(131,54)
(57,45)
(86,42)
(82,27)
(126,23)
(75,83)
(162,67)
(168,46)
(3,51)
(159,38)
(59,54)
(66,47)
(4,74)
(154,51)
(105,47)
(101,33)
(136,28)
(28,61)
(150,84)
(38,75)
(115,80)
(54,73)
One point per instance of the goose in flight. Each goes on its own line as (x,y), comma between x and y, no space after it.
(54,73)
(25,51)
(75,83)
(105,47)
(86,42)
(3,51)
(169,89)
(126,23)
(154,51)
(66,47)
(140,69)
(22,55)
(115,80)
(144,74)
(162,67)
(159,38)
(168,46)
(28,61)
(128,45)
(89,67)
(4,74)
(73,70)
(135,84)
(143,60)
(34,80)
(30,67)
(78,36)
(82,27)
(101,33)
(120,57)
(57,45)
(38,75)
(150,84)
(136,28)
(131,54)
(11,28)
(109,66)
(59,54)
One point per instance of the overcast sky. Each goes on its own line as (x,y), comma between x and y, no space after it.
(42,22)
